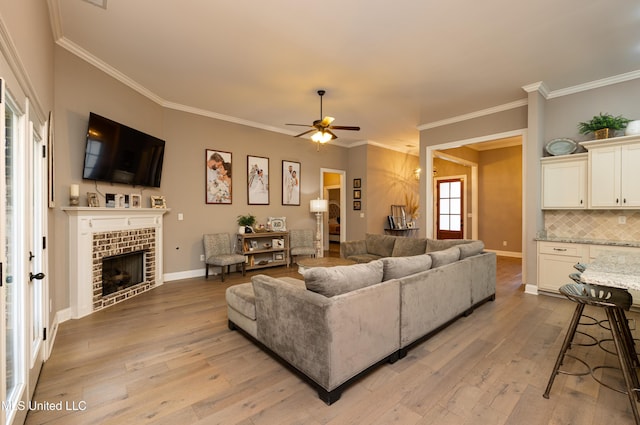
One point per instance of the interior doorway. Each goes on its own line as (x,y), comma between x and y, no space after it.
(450,208)
(334,221)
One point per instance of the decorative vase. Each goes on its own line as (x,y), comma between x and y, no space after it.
(633,128)
(241,230)
(603,133)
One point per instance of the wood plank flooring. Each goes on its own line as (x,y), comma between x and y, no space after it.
(167,357)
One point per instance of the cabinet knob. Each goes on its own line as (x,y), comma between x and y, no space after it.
(624,200)
(617,201)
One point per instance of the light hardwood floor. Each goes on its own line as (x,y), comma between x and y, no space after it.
(167,357)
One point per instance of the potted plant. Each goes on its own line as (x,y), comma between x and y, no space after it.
(246,223)
(603,125)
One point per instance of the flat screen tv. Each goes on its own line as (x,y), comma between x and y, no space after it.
(119,154)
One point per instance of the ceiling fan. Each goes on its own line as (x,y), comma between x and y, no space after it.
(323,127)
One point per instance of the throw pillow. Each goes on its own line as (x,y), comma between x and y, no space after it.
(406,247)
(381,245)
(471,248)
(398,267)
(446,256)
(332,281)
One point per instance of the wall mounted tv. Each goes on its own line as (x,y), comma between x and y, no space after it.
(119,154)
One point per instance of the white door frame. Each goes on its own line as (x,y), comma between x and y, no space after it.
(343,203)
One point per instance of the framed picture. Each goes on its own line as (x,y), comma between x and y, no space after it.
(357,205)
(278,256)
(119,199)
(158,202)
(290,183)
(277,224)
(257,180)
(357,183)
(277,243)
(135,201)
(218,175)
(110,200)
(357,194)
(92,200)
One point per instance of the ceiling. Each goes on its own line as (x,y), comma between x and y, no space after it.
(388,69)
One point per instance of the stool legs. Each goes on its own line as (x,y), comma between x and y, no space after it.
(568,339)
(619,329)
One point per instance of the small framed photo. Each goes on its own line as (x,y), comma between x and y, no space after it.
(357,194)
(357,205)
(158,202)
(119,200)
(92,200)
(290,183)
(135,201)
(254,245)
(278,256)
(257,180)
(277,224)
(110,200)
(357,183)
(277,243)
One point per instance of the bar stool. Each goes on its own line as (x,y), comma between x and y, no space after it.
(614,301)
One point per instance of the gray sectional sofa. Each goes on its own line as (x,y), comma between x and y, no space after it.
(340,322)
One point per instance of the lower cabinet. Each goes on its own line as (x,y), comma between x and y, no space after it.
(556,260)
(555,263)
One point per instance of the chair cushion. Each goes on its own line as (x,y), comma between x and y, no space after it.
(398,267)
(381,245)
(225,260)
(446,256)
(332,281)
(303,250)
(406,247)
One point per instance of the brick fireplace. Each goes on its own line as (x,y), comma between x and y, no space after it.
(97,234)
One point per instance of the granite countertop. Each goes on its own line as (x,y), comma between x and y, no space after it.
(605,242)
(611,268)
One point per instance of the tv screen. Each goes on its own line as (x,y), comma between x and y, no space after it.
(119,154)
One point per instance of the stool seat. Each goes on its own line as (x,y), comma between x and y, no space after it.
(614,301)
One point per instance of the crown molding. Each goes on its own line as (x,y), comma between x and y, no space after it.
(620,78)
(539,87)
(476,114)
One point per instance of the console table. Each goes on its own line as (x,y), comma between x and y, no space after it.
(263,249)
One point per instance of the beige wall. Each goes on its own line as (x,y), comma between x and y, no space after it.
(500,199)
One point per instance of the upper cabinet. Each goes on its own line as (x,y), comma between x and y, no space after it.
(614,173)
(564,182)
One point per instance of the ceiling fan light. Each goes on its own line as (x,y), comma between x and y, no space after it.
(321,137)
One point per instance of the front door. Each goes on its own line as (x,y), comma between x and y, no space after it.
(449,222)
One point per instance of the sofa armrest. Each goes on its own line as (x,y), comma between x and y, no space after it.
(328,339)
(349,248)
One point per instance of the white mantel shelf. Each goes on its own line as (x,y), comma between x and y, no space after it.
(83,223)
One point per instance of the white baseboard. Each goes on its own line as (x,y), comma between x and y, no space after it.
(531,289)
(188,274)
(506,253)
(60,317)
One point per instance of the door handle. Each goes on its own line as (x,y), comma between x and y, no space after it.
(31,256)
(37,276)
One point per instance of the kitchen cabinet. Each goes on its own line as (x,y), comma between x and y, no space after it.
(614,172)
(564,181)
(555,263)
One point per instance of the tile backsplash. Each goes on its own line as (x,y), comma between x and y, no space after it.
(593,224)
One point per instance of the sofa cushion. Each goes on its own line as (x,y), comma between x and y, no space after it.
(405,247)
(381,245)
(470,249)
(446,256)
(363,258)
(441,244)
(242,299)
(331,281)
(398,267)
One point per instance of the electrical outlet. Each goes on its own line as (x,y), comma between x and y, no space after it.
(622,219)
(504,243)
(202,257)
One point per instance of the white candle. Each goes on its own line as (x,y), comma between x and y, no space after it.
(75,190)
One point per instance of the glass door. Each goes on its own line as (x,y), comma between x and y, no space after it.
(13,365)
(450,219)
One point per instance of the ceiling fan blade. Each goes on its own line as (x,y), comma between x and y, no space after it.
(344,127)
(306,132)
(326,121)
(333,136)
(301,125)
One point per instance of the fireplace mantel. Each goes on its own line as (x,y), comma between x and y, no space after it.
(83,224)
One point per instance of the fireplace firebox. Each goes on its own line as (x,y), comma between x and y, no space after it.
(122,271)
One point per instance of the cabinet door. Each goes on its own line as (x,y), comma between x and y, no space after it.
(554,271)
(630,181)
(564,184)
(604,177)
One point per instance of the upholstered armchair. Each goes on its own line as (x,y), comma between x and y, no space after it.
(301,243)
(217,253)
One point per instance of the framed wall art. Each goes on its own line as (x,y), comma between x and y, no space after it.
(357,183)
(136,200)
(357,205)
(290,183)
(218,175)
(277,224)
(158,201)
(257,180)
(357,194)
